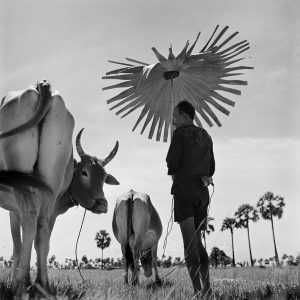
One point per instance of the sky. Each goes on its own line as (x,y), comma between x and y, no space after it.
(256,150)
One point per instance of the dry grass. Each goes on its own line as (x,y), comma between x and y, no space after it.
(230,283)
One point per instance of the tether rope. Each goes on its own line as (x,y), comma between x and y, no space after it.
(77,245)
(171,220)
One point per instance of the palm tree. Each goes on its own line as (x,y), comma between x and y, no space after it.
(244,215)
(229,224)
(271,206)
(103,241)
(209,228)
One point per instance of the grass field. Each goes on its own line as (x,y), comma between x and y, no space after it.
(229,283)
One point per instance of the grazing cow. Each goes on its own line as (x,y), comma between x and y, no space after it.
(37,174)
(137,227)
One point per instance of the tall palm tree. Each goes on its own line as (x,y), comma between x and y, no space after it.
(271,206)
(244,215)
(229,224)
(209,228)
(103,241)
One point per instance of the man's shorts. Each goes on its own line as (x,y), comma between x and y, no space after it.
(191,200)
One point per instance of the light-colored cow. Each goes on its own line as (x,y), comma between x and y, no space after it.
(137,227)
(37,174)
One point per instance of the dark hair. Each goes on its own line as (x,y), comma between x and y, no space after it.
(187,108)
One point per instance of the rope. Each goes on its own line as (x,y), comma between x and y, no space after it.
(77,245)
(171,220)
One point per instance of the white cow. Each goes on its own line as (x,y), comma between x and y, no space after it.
(137,227)
(37,174)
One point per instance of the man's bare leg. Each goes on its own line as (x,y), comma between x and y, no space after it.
(190,251)
(204,267)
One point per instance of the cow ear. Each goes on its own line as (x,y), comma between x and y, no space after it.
(111,180)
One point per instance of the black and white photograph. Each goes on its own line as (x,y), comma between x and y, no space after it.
(149,149)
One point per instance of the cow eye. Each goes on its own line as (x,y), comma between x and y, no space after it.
(84,173)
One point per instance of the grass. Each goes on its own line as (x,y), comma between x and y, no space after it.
(229,283)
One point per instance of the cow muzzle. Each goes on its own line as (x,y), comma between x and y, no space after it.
(100,206)
(147,270)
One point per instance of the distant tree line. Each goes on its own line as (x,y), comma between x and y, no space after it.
(218,258)
(268,207)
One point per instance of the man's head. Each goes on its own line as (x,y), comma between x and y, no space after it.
(183,113)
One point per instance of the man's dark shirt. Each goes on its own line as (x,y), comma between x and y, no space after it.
(190,155)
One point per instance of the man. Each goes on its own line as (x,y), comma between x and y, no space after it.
(191,163)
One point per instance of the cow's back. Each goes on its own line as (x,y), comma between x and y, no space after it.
(47,147)
(120,219)
(145,222)
(19,152)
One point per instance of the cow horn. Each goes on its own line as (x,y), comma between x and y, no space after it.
(111,154)
(78,144)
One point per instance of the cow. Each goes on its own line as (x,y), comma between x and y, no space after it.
(38,174)
(137,227)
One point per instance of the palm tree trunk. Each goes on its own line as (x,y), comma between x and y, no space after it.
(276,253)
(251,259)
(233,259)
(102,260)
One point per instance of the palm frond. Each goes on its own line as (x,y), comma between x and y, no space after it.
(200,78)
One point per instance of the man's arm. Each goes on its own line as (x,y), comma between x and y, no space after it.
(174,154)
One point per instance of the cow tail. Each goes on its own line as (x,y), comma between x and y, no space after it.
(128,252)
(45,100)
(21,181)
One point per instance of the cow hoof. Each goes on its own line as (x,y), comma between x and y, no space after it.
(154,285)
(19,291)
(37,292)
(135,282)
(158,282)
(17,287)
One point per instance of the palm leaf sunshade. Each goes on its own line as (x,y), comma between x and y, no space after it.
(198,78)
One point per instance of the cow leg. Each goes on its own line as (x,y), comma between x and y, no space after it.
(28,223)
(154,261)
(126,265)
(41,244)
(54,154)
(136,257)
(140,224)
(204,267)
(15,228)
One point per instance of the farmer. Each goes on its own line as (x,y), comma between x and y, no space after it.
(191,164)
